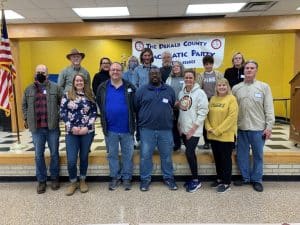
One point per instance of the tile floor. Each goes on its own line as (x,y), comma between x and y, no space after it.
(20,205)
(279,140)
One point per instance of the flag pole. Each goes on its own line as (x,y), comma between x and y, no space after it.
(16,147)
(16,111)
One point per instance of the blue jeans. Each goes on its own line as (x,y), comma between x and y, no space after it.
(251,172)
(163,140)
(78,144)
(39,138)
(124,168)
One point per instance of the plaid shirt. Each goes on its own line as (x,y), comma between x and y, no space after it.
(40,105)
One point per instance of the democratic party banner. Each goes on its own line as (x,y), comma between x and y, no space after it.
(188,50)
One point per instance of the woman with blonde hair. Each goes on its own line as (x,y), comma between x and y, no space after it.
(221,124)
(78,111)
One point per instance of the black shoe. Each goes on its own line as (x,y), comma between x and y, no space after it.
(41,188)
(55,184)
(171,184)
(240,182)
(144,186)
(216,183)
(113,184)
(258,187)
(127,185)
(223,188)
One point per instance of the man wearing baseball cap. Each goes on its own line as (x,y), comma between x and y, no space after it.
(65,77)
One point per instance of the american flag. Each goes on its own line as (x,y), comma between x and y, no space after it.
(7,69)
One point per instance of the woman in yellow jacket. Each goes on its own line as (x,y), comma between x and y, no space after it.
(221,124)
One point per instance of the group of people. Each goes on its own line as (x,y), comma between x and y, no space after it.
(160,108)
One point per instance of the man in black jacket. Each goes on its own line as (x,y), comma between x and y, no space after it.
(235,74)
(115,99)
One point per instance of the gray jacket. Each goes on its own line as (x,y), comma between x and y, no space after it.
(54,95)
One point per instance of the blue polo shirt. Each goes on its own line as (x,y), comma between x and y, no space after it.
(116,109)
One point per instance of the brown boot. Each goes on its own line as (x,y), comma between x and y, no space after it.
(72,188)
(83,186)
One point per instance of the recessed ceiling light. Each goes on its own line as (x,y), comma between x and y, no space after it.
(11,15)
(101,12)
(214,8)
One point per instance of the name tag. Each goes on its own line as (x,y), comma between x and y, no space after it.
(257,95)
(165,100)
(129,90)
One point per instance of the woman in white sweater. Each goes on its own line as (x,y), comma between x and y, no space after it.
(193,105)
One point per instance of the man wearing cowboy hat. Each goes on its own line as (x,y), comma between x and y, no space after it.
(65,78)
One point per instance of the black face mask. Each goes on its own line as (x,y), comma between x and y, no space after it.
(40,77)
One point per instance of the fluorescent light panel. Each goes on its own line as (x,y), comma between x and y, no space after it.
(101,12)
(11,15)
(214,8)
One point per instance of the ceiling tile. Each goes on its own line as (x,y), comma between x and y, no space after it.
(62,12)
(142,2)
(80,3)
(17,4)
(103,3)
(46,4)
(33,13)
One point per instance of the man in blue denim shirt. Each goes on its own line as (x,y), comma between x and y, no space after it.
(154,103)
(115,99)
(141,72)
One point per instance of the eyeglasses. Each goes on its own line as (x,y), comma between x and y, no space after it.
(40,73)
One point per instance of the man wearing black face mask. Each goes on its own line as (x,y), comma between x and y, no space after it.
(41,102)
(154,103)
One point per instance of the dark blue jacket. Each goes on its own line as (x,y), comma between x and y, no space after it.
(155,107)
(129,93)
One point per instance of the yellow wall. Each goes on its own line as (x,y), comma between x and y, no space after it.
(53,54)
(273,52)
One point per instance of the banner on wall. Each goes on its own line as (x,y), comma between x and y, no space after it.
(188,50)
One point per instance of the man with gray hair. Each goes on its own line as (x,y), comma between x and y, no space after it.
(166,68)
(255,121)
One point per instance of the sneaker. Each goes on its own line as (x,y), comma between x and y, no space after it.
(187,183)
(193,186)
(114,184)
(240,182)
(127,185)
(171,184)
(144,186)
(258,187)
(55,184)
(83,186)
(41,187)
(222,188)
(72,188)
(216,184)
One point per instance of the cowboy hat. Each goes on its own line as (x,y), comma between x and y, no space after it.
(75,51)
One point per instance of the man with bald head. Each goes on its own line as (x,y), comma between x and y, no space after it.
(41,102)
